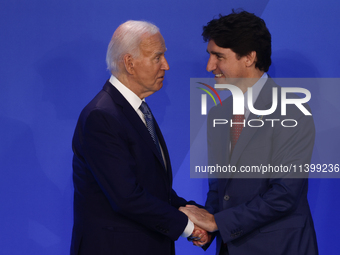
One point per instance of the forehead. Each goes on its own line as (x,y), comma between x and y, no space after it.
(153,44)
(212,48)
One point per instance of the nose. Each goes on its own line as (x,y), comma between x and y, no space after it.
(211,65)
(165,65)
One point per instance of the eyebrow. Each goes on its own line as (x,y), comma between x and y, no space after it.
(160,52)
(219,54)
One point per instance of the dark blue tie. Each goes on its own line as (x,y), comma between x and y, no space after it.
(150,124)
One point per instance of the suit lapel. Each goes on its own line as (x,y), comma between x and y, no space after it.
(263,102)
(165,151)
(223,141)
(136,122)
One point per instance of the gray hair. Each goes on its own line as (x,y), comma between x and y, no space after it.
(126,39)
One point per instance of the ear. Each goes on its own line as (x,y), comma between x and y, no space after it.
(251,59)
(128,63)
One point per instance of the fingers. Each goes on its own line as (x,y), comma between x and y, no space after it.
(199,233)
(182,209)
(205,238)
(186,211)
(200,217)
(191,206)
(203,220)
(192,214)
(202,236)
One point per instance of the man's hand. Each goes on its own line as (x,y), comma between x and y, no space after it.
(199,236)
(200,217)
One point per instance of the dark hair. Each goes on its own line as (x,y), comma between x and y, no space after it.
(243,33)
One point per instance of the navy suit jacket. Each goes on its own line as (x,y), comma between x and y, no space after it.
(123,197)
(271,215)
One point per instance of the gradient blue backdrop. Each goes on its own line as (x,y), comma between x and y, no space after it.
(52,62)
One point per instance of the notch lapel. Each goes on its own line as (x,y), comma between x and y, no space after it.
(222,140)
(134,119)
(263,102)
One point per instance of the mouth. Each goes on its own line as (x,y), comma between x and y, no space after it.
(218,75)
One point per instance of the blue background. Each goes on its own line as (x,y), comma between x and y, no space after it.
(53,62)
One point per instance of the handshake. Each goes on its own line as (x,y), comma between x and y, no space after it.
(204,223)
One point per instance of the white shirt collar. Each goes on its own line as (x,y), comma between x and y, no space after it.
(257,87)
(130,96)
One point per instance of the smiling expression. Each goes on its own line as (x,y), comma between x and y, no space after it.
(225,63)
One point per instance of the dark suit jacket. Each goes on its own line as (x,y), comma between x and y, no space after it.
(123,197)
(267,216)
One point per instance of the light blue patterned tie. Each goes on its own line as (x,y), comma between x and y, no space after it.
(150,124)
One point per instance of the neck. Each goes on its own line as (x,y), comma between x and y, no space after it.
(250,80)
(128,82)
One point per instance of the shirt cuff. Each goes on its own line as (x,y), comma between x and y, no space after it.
(188,229)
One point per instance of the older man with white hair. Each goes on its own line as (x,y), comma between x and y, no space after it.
(123,197)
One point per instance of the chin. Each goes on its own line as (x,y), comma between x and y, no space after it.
(160,85)
(221,80)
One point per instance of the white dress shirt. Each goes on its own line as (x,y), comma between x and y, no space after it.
(257,87)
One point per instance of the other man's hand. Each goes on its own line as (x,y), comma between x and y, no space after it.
(201,236)
(200,217)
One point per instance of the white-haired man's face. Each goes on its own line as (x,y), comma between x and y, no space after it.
(149,68)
